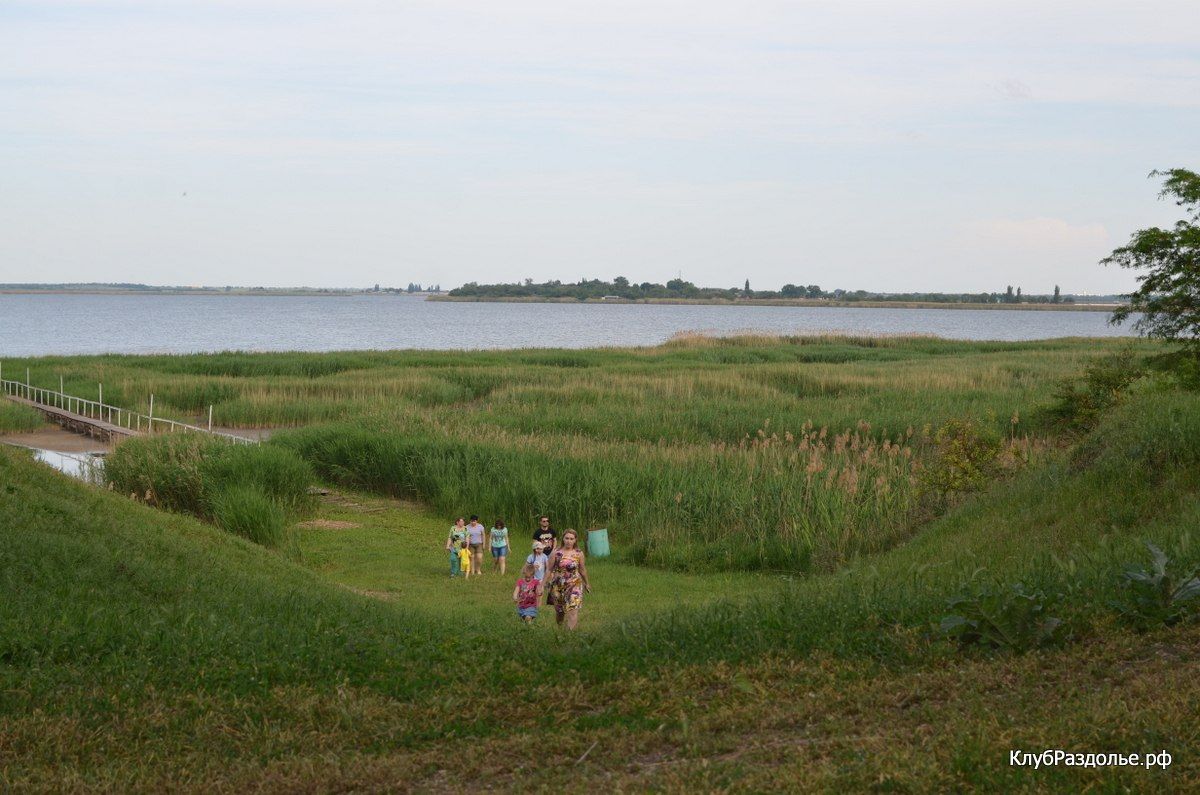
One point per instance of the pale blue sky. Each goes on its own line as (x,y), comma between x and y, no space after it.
(892,146)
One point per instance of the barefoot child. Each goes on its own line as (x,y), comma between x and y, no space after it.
(527,594)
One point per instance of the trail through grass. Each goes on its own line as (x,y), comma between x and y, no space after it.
(394,551)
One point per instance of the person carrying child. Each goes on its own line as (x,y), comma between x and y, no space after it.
(527,594)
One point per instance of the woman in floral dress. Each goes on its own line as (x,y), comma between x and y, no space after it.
(568,580)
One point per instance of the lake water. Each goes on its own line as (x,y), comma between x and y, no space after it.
(88,467)
(37,325)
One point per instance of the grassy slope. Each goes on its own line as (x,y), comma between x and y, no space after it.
(138,648)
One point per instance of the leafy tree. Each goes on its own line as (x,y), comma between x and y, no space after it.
(1057,299)
(1168,296)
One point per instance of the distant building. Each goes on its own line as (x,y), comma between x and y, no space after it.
(610,298)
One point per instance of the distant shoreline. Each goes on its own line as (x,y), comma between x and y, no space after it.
(797,302)
(282,292)
(817,303)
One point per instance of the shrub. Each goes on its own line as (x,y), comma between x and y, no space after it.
(1155,597)
(1079,405)
(1012,618)
(964,459)
(248,512)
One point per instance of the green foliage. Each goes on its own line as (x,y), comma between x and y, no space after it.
(1079,405)
(214,479)
(16,417)
(584,434)
(247,512)
(274,471)
(1144,439)
(1167,301)
(115,617)
(1014,618)
(790,502)
(164,471)
(680,289)
(965,458)
(1157,597)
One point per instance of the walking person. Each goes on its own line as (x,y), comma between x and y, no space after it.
(539,561)
(498,537)
(458,534)
(545,533)
(568,580)
(527,594)
(475,535)
(464,559)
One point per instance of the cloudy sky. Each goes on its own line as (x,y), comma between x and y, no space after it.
(899,145)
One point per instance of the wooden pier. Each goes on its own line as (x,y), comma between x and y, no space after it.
(88,426)
(99,420)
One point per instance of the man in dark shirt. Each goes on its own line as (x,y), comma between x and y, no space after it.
(545,533)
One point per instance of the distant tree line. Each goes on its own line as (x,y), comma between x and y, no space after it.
(621,287)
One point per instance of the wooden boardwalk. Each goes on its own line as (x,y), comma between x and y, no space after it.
(88,426)
(99,420)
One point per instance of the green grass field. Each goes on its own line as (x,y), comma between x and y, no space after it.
(147,650)
(753,453)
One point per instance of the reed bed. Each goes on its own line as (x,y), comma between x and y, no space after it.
(15,417)
(703,453)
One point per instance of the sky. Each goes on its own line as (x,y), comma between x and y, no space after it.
(899,146)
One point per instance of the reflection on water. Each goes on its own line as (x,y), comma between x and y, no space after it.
(88,467)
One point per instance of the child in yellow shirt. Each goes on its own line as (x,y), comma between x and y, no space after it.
(464,559)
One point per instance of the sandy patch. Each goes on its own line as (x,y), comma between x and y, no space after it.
(328,524)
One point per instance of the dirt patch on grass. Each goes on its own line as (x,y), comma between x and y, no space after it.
(57,439)
(328,524)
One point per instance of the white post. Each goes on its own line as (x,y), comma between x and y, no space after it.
(101,402)
(61,392)
(210,418)
(150,417)
(28,390)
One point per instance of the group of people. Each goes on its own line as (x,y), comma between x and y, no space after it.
(555,570)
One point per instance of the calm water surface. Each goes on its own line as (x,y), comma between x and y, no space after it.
(37,325)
